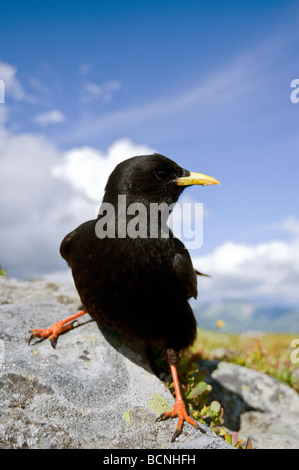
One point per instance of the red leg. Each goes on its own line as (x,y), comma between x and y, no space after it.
(179,409)
(56,329)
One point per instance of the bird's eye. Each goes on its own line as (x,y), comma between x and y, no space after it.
(162,175)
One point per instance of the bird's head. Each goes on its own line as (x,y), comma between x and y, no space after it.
(151,178)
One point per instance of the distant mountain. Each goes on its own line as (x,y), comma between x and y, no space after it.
(241,316)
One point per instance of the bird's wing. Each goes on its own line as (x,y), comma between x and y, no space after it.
(66,245)
(184,270)
(73,244)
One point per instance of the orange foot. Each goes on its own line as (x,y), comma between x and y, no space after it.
(179,411)
(56,329)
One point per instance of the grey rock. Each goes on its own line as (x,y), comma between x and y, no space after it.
(256,405)
(95,390)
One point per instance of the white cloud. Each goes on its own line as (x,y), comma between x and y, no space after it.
(39,86)
(88,169)
(3,117)
(266,271)
(105,91)
(85,69)
(13,87)
(54,116)
(290,224)
(36,211)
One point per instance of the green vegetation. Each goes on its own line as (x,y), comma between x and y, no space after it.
(3,272)
(268,353)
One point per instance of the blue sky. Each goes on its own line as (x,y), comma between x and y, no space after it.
(205,83)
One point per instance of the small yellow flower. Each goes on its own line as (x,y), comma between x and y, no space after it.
(220,324)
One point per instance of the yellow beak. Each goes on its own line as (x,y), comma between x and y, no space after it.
(196,178)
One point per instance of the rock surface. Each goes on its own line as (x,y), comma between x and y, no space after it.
(93,391)
(256,405)
(96,390)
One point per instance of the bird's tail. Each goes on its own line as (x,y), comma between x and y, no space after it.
(202,274)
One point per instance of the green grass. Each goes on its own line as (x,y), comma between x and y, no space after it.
(269,353)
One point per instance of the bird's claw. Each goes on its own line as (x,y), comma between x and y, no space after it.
(179,411)
(160,418)
(52,332)
(176,434)
(56,329)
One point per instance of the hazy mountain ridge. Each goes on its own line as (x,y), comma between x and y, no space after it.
(240,316)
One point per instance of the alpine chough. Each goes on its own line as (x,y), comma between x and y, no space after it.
(132,275)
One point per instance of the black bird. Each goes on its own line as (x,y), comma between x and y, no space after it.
(134,277)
